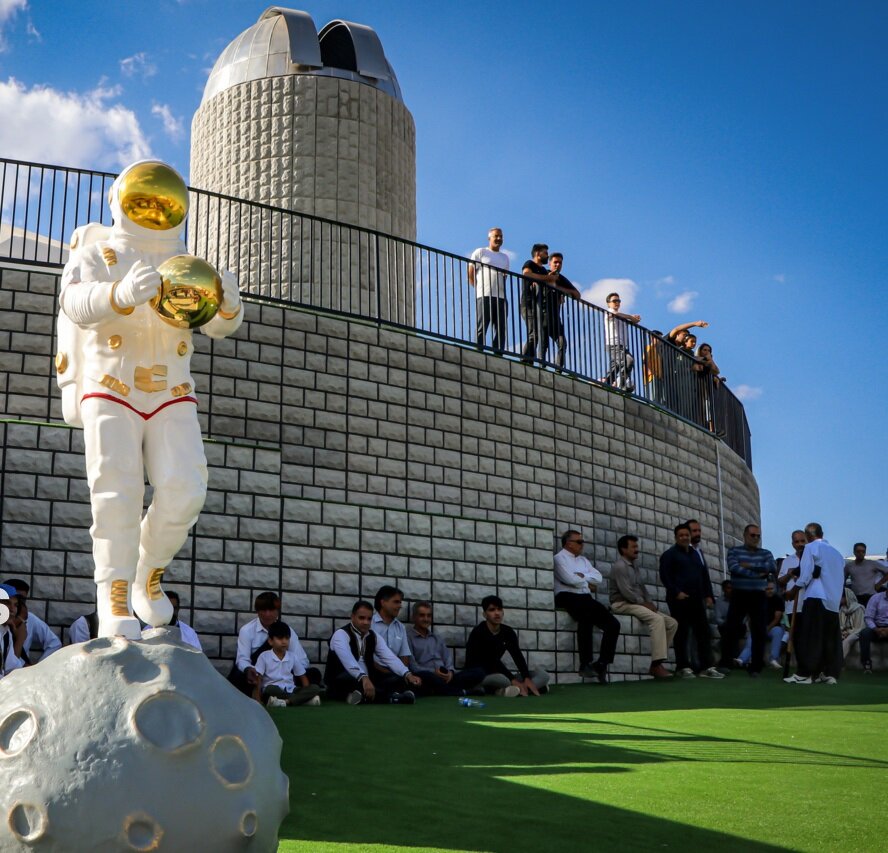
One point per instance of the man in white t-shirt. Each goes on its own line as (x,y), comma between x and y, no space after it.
(491,306)
(615,337)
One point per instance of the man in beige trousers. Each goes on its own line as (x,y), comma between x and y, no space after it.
(629,596)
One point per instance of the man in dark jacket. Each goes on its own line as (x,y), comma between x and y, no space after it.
(688,593)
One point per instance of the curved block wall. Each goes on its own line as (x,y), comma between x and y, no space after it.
(345,454)
(319,145)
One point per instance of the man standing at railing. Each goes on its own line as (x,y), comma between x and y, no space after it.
(622,361)
(533,307)
(491,306)
(553,299)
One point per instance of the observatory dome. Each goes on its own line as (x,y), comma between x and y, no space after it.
(286,41)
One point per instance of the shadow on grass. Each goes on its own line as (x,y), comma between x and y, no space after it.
(439,776)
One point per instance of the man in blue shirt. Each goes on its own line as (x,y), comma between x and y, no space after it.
(749,565)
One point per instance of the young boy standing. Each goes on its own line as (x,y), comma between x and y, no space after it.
(279,667)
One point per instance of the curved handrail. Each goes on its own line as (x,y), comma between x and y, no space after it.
(316,262)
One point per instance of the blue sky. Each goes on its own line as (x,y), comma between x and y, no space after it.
(724,160)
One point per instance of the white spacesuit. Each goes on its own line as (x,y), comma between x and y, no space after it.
(125,378)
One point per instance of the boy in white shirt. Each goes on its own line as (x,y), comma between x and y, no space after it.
(278,668)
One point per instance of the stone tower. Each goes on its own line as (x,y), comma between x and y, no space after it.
(312,122)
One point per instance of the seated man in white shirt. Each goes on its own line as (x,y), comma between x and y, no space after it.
(252,640)
(362,668)
(84,628)
(37,629)
(186,632)
(12,631)
(279,668)
(575,578)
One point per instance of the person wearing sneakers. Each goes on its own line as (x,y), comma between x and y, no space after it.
(575,580)
(688,593)
(629,596)
(485,648)
(820,584)
(750,566)
(362,668)
(876,630)
(278,668)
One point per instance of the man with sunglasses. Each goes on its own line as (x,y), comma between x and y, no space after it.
(750,566)
(575,580)
(615,331)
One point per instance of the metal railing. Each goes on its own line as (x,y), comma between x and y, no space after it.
(307,260)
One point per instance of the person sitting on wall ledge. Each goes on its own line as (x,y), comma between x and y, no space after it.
(575,580)
(487,644)
(252,640)
(279,667)
(362,668)
(433,662)
(629,596)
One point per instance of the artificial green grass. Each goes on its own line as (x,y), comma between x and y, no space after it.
(738,764)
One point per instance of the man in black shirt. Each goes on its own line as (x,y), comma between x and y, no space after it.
(487,644)
(688,592)
(532,298)
(553,299)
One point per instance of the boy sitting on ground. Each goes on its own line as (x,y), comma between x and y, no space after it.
(279,667)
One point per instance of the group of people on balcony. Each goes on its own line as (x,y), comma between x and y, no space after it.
(683,377)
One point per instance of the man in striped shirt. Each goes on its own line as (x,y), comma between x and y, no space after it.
(749,565)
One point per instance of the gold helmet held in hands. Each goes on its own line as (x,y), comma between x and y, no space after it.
(190,294)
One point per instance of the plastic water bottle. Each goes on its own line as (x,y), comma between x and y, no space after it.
(468,702)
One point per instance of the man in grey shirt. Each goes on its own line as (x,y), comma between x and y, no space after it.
(629,597)
(432,661)
(864,574)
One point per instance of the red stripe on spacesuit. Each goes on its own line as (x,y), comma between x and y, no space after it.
(134,409)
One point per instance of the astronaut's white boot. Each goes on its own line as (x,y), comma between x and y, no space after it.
(149,600)
(115,613)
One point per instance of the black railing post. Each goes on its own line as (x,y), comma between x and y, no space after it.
(378,280)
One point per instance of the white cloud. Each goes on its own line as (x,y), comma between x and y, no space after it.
(172,126)
(665,281)
(780,278)
(33,32)
(137,64)
(8,8)
(747,392)
(513,259)
(70,128)
(683,303)
(597,292)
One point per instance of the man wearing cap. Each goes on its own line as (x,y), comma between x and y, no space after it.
(125,377)
(12,631)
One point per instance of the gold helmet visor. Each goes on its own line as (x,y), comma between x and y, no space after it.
(153,196)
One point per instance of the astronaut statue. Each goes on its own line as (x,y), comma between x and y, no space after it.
(124,371)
